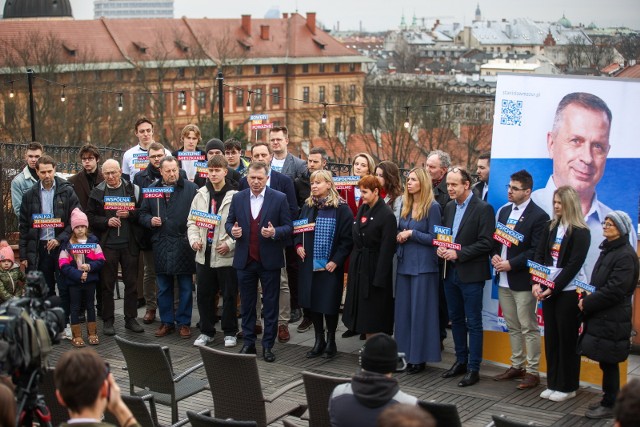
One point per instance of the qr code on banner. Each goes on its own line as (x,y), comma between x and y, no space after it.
(511,114)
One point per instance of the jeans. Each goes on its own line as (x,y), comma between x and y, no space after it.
(165,299)
(464,301)
(79,295)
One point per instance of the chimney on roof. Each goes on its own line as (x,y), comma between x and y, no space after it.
(264,32)
(246,24)
(285,15)
(311,22)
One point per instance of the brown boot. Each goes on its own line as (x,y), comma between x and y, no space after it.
(76,332)
(92,331)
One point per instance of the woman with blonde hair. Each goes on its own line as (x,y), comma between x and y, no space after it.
(416,310)
(563,249)
(323,251)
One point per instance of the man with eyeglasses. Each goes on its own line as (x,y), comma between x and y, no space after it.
(471,222)
(233,153)
(283,161)
(509,260)
(135,158)
(90,175)
(578,144)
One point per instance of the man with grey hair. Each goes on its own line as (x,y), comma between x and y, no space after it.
(113,217)
(578,144)
(438,163)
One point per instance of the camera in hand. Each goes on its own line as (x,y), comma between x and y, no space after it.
(29,326)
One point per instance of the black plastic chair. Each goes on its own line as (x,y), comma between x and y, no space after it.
(149,367)
(446,414)
(318,389)
(199,420)
(503,421)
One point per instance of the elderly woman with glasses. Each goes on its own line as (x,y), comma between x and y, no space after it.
(607,310)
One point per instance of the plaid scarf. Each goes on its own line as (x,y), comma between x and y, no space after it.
(324,233)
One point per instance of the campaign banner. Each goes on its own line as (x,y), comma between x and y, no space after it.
(202,169)
(190,155)
(119,203)
(46,221)
(204,219)
(156,192)
(507,236)
(345,182)
(82,248)
(564,130)
(583,287)
(302,226)
(258,117)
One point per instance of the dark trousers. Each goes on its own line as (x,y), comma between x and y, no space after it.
(464,301)
(560,340)
(443,312)
(610,383)
(82,295)
(47,264)
(129,266)
(209,282)
(292,275)
(248,285)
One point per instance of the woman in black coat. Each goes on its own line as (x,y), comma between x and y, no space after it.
(323,252)
(563,249)
(607,310)
(368,306)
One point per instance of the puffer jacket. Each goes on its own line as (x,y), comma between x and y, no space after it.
(607,311)
(64,201)
(202,202)
(69,267)
(11,283)
(171,250)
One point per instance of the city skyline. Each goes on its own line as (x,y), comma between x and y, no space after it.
(377,16)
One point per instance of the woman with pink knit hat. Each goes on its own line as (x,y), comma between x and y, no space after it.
(11,278)
(80,261)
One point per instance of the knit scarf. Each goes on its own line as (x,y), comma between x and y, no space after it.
(324,232)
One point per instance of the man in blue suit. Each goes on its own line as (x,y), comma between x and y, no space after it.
(260,222)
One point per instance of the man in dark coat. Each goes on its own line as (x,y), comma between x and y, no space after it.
(119,236)
(90,175)
(518,304)
(472,224)
(167,218)
(39,246)
(260,222)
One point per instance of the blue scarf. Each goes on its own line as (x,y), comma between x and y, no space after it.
(323,237)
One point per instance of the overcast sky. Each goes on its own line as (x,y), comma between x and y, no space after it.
(377,15)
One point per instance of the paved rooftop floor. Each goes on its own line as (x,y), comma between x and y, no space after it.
(476,404)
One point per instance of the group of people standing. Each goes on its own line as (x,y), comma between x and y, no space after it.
(415,257)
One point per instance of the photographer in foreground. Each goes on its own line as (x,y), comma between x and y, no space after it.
(85,386)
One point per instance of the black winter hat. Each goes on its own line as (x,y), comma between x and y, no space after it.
(379,354)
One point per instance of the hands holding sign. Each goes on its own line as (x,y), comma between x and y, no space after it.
(268,232)
(500,265)
(448,254)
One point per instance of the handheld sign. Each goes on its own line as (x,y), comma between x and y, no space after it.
(444,238)
(345,182)
(539,274)
(583,287)
(302,226)
(82,248)
(258,117)
(204,219)
(260,126)
(202,169)
(118,203)
(156,192)
(46,221)
(140,161)
(190,155)
(506,235)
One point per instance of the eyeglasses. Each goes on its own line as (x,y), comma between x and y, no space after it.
(512,188)
(157,156)
(145,130)
(88,159)
(606,224)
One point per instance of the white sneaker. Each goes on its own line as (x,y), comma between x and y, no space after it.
(230,341)
(559,396)
(203,340)
(66,334)
(547,393)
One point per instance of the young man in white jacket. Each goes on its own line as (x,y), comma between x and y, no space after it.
(214,254)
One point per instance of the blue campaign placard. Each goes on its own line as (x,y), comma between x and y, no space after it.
(299,222)
(439,229)
(41,216)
